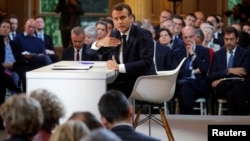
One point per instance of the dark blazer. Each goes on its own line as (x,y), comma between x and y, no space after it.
(219,65)
(162,57)
(177,43)
(69,54)
(201,61)
(128,133)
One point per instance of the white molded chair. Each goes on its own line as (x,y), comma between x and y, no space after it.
(155,90)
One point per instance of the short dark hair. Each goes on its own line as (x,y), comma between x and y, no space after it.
(114,106)
(157,36)
(121,6)
(230,29)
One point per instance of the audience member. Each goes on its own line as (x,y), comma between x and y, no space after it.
(190,19)
(231,62)
(200,18)
(116,113)
(131,57)
(77,52)
(22,116)
(72,130)
(102,29)
(237,26)
(52,110)
(101,135)
(47,39)
(30,49)
(246,27)
(9,62)
(70,16)
(14,25)
(110,24)
(162,52)
(199,37)
(165,14)
(178,25)
(192,80)
(88,118)
(90,35)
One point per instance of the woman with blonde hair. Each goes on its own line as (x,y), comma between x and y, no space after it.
(72,130)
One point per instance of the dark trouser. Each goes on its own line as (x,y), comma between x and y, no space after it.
(234,92)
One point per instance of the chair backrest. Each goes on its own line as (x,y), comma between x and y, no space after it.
(156,88)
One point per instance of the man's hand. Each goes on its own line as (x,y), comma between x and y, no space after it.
(237,71)
(108,42)
(112,64)
(216,82)
(8,65)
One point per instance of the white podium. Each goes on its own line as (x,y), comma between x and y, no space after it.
(79,90)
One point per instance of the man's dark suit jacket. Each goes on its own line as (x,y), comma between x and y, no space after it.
(219,66)
(128,133)
(137,57)
(69,54)
(201,62)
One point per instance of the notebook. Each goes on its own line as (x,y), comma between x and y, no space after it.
(72,67)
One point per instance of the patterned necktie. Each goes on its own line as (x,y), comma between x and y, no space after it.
(230,60)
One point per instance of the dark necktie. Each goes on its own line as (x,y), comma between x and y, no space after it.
(230,60)
(123,40)
(78,55)
(13,35)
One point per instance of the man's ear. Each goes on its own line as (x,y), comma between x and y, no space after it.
(104,121)
(131,110)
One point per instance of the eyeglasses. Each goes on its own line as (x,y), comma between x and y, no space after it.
(188,37)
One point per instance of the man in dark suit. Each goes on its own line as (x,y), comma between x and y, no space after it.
(71,11)
(47,40)
(192,80)
(132,57)
(77,52)
(222,70)
(14,25)
(116,113)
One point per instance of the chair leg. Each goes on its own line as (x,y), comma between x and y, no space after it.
(149,120)
(135,123)
(166,125)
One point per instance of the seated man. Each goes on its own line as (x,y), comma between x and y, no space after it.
(118,118)
(192,78)
(229,73)
(30,49)
(77,51)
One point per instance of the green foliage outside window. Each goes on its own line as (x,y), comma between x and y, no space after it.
(98,8)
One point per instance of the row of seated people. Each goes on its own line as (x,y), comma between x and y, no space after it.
(40,111)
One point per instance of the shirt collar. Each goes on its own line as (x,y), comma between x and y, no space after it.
(26,34)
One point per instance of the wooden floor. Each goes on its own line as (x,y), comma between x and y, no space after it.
(187,127)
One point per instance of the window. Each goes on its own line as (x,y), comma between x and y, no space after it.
(94,9)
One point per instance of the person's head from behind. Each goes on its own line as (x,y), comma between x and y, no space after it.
(101,134)
(22,115)
(114,108)
(77,37)
(51,106)
(122,17)
(90,34)
(88,118)
(72,130)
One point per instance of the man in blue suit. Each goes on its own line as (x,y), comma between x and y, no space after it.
(116,114)
(229,79)
(132,57)
(192,80)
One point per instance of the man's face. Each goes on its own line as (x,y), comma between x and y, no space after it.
(169,25)
(177,25)
(14,24)
(230,41)
(5,29)
(30,27)
(122,20)
(77,40)
(164,16)
(188,36)
(199,19)
(39,23)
